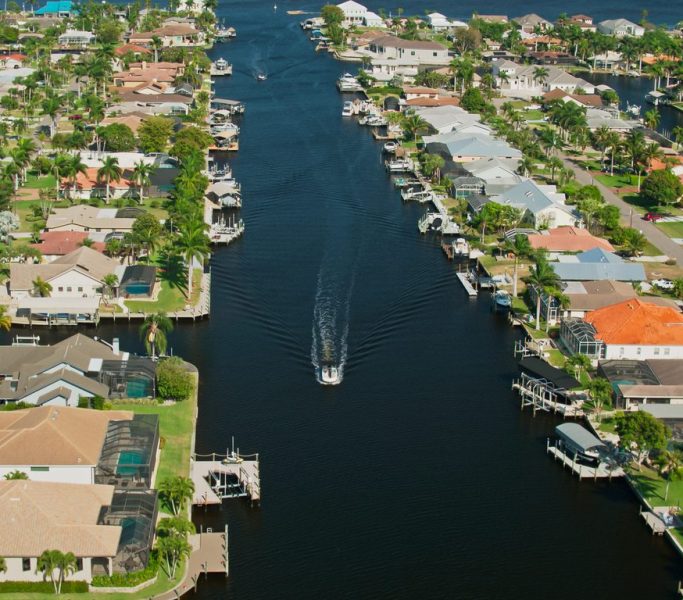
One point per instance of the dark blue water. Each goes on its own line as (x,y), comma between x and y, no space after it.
(418,477)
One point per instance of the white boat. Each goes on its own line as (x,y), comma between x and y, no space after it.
(221,67)
(461,247)
(422,196)
(399,166)
(391,147)
(348,83)
(329,375)
(261,77)
(502,300)
(347,111)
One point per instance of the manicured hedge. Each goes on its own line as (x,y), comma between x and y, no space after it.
(127,579)
(43,587)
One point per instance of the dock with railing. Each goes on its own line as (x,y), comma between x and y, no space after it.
(217,477)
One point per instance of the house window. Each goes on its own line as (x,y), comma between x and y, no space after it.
(40,469)
(68,288)
(667,351)
(621,351)
(435,54)
(60,289)
(639,351)
(80,289)
(412,53)
(25,564)
(79,564)
(656,351)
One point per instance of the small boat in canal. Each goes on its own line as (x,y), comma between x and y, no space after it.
(502,300)
(261,77)
(347,111)
(401,165)
(348,83)
(329,375)
(390,147)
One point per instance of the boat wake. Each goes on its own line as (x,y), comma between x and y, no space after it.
(330,330)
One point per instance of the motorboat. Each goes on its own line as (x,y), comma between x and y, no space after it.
(422,196)
(502,300)
(391,147)
(329,375)
(261,77)
(375,121)
(348,83)
(221,67)
(347,111)
(399,166)
(461,247)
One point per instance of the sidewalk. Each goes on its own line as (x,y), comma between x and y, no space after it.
(629,217)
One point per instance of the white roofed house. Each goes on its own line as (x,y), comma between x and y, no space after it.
(467,147)
(354,13)
(439,22)
(532,22)
(525,81)
(372,19)
(542,206)
(620,28)
(446,119)
(408,52)
(73,37)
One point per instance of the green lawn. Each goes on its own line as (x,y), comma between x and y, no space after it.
(41,182)
(674,230)
(617,181)
(176,424)
(653,487)
(533,115)
(171,297)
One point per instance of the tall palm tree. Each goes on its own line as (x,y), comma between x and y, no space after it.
(66,565)
(526,166)
(192,243)
(542,277)
(519,246)
(413,123)
(156,45)
(5,319)
(41,288)
(141,176)
(108,172)
(613,142)
(153,330)
(541,74)
(110,284)
(652,118)
(555,163)
(670,464)
(48,565)
(74,167)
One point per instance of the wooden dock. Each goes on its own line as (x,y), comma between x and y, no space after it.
(218,477)
(653,521)
(541,395)
(469,288)
(602,471)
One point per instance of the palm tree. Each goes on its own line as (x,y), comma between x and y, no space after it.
(74,167)
(52,564)
(173,549)
(141,176)
(5,319)
(526,166)
(109,171)
(413,123)
(541,74)
(156,45)
(648,155)
(110,284)
(192,243)
(670,464)
(677,134)
(519,246)
(153,330)
(600,390)
(555,163)
(652,118)
(176,492)
(41,288)
(613,142)
(542,278)
(577,363)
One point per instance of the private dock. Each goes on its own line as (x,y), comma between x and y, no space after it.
(217,477)
(469,288)
(653,521)
(601,471)
(541,394)
(226,233)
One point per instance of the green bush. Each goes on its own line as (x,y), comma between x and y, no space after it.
(15,406)
(127,579)
(173,381)
(42,587)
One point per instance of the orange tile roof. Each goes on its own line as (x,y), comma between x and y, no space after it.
(134,48)
(634,322)
(660,165)
(569,239)
(60,243)
(443,101)
(88,181)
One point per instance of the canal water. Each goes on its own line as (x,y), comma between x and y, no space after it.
(418,476)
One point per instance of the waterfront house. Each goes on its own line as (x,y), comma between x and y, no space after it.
(408,52)
(632,329)
(466,147)
(584,100)
(170,36)
(568,239)
(147,73)
(135,49)
(494,177)
(152,98)
(88,185)
(542,206)
(552,57)
(521,80)
(75,445)
(82,217)
(36,516)
(72,37)
(532,23)
(12,61)
(609,60)
(422,102)
(77,367)
(354,13)
(55,244)
(138,281)
(597,264)
(646,384)
(439,22)
(447,119)
(620,28)
(57,8)
(78,274)
(597,118)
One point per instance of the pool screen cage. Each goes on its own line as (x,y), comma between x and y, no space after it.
(133,378)
(129,452)
(579,337)
(135,511)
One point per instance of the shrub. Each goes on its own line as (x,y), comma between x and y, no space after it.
(127,579)
(173,381)
(42,587)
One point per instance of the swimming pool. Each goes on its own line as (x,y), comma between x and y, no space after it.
(129,462)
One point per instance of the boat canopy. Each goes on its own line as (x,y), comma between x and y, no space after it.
(537,367)
(578,437)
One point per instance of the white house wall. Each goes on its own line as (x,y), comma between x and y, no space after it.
(615,352)
(15,571)
(84,474)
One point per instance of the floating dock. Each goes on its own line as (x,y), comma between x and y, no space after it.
(469,288)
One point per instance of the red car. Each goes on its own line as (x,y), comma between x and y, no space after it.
(653,217)
(75,117)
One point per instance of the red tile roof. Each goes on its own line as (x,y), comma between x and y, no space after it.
(134,48)
(442,101)
(634,322)
(569,239)
(60,243)
(89,181)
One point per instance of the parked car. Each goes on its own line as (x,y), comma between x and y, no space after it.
(653,217)
(75,117)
